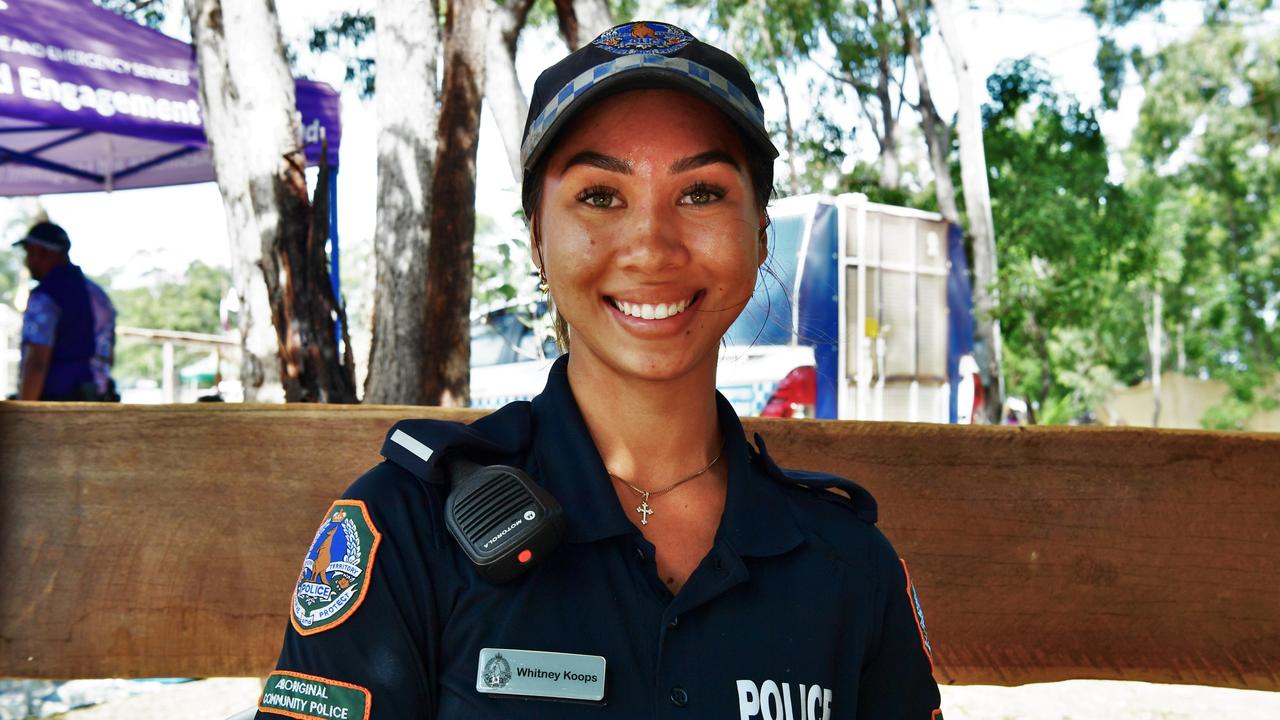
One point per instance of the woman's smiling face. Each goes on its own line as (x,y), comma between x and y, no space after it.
(650,236)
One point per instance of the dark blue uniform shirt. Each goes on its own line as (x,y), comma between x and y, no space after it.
(800,610)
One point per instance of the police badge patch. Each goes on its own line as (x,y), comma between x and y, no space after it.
(335,573)
(643,37)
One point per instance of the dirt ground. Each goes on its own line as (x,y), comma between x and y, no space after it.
(219,698)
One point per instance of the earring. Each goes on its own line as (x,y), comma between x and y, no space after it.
(543,287)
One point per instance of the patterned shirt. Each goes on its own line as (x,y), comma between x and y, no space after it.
(40,321)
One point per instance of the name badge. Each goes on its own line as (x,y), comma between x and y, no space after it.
(529,673)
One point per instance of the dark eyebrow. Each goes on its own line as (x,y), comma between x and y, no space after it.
(709,157)
(595,159)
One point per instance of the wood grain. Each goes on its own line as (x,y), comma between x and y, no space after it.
(164,540)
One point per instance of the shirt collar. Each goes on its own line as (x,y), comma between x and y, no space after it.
(757,513)
(757,520)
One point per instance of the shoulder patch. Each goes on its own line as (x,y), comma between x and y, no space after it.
(835,488)
(914,598)
(309,697)
(335,573)
(418,445)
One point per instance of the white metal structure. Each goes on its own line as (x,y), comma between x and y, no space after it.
(895,354)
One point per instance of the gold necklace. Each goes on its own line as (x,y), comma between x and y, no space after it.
(645,510)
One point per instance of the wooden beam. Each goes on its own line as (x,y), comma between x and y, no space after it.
(178,337)
(163,541)
(1047,554)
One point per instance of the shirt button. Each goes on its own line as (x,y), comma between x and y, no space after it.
(679,697)
(674,621)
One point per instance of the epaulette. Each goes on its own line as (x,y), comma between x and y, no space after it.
(419,445)
(850,493)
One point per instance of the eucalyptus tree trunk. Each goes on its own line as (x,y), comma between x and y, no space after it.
(977,200)
(582,20)
(247,95)
(890,166)
(502,92)
(408,38)
(450,252)
(937,134)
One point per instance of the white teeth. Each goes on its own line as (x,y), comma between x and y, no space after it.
(660,311)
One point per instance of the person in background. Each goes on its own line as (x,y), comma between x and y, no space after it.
(58,339)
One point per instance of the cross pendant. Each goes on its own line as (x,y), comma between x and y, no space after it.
(644,510)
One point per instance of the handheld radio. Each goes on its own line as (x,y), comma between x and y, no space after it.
(503,520)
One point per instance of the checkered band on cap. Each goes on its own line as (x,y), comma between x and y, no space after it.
(679,67)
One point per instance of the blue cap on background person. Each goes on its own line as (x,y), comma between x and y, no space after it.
(47,235)
(642,55)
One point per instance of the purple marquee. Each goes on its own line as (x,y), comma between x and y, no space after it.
(91,101)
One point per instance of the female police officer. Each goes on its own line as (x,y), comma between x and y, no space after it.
(693,577)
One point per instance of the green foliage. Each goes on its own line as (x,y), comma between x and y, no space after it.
(1234,412)
(1208,166)
(856,45)
(865,178)
(144,12)
(864,34)
(10,273)
(1207,148)
(820,147)
(1117,13)
(1112,62)
(12,259)
(188,304)
(346,36)
(543,12)
(503,269)
(1072,248)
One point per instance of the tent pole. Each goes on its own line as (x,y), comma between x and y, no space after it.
(334,277)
